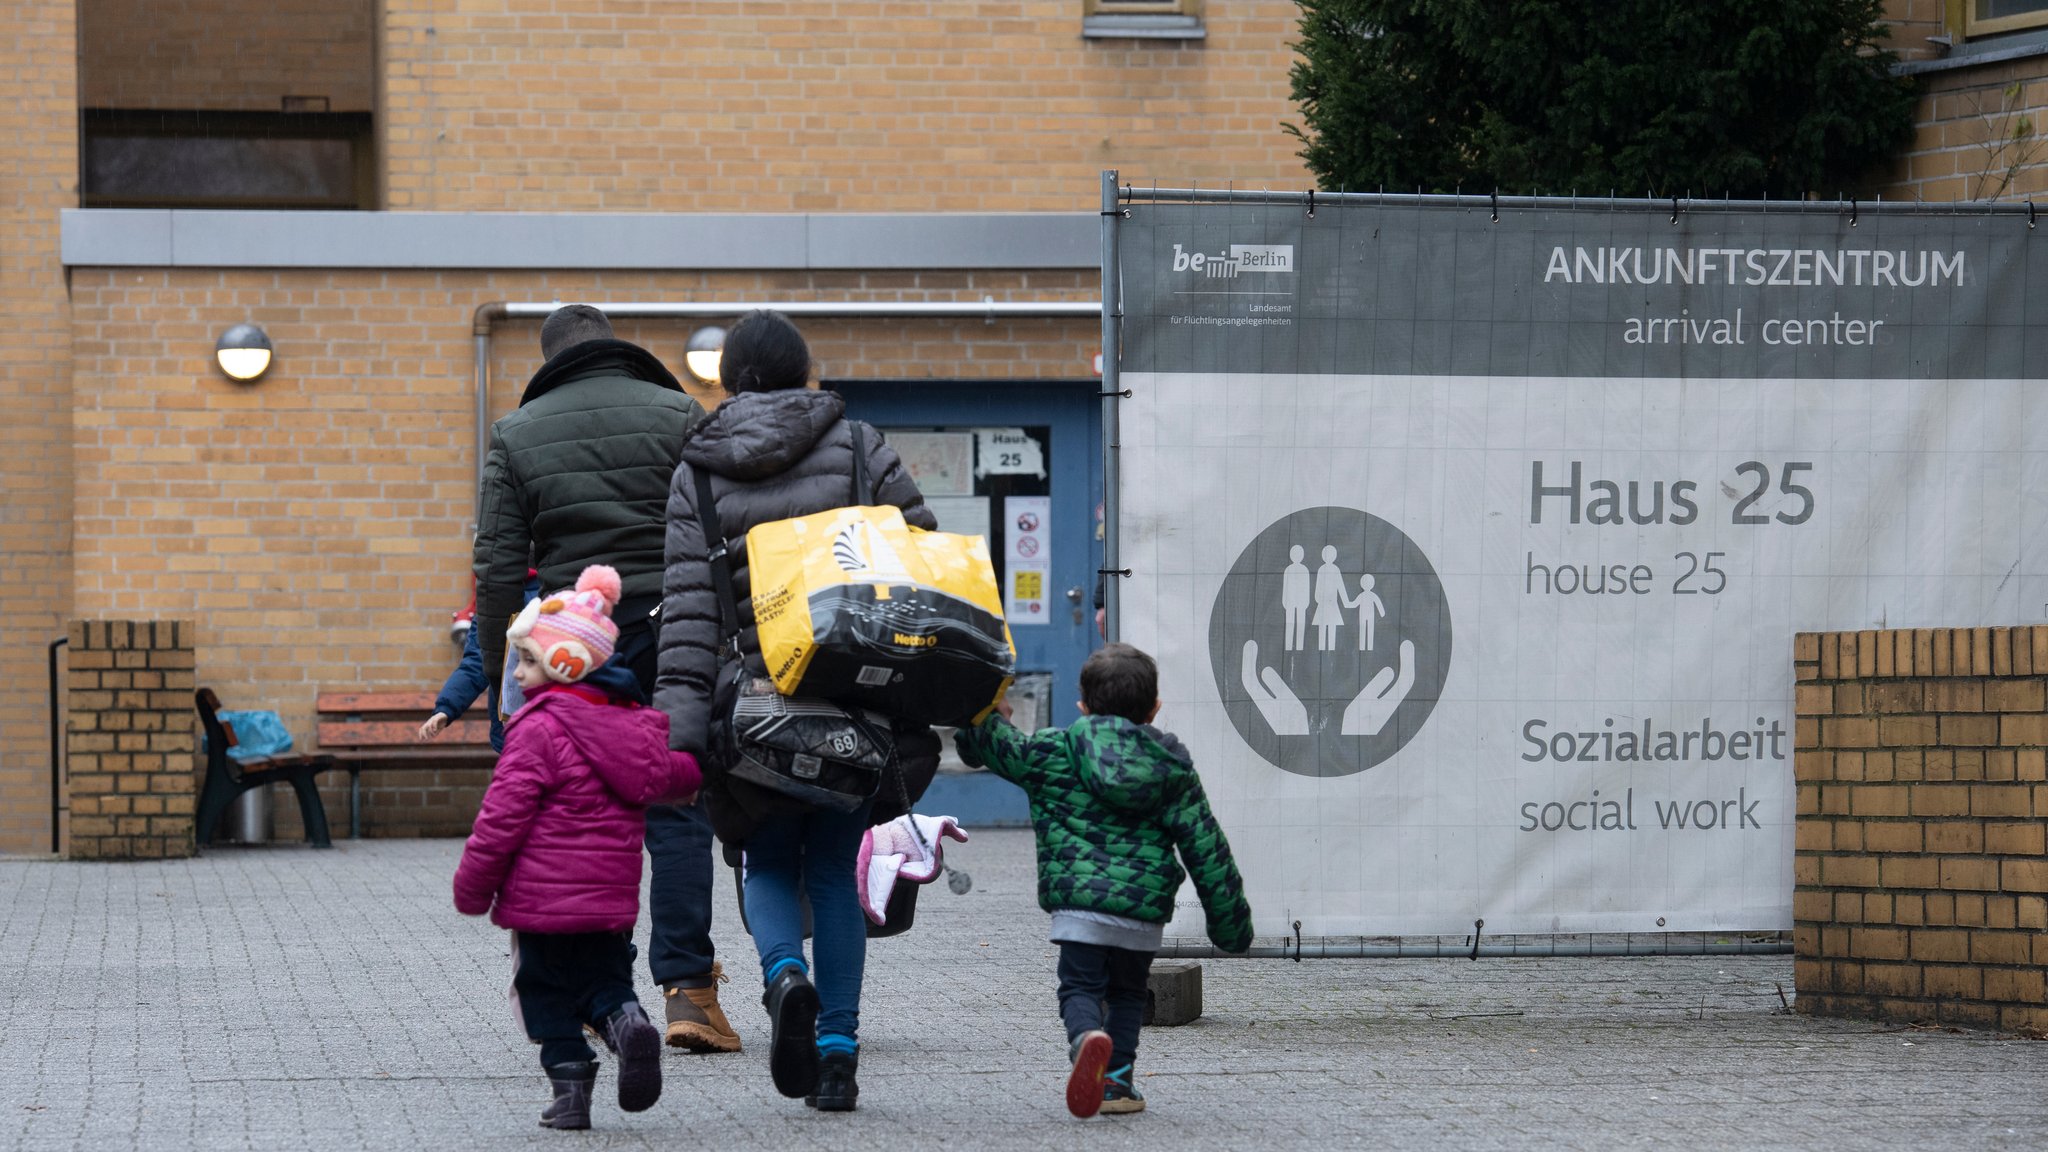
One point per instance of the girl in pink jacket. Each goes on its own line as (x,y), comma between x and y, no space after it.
(555,852)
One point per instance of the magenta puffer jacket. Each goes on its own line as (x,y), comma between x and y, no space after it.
(557,843)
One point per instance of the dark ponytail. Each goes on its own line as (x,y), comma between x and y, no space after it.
(764,353)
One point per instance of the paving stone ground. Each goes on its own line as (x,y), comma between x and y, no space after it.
(280,997)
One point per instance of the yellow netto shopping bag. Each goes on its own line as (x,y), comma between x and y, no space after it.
(857,606)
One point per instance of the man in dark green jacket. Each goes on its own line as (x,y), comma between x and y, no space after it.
(1112,800)
(578,475)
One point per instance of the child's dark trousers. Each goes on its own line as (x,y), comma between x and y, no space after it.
(565,981)
(1104,987)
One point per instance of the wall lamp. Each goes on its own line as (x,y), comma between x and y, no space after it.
(243,352)
(702,353)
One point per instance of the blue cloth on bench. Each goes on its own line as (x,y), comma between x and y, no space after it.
(257,733)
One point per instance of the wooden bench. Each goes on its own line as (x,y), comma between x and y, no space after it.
(227,777)
(369,730)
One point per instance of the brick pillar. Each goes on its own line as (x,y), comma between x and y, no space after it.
(131,743)
(1921,871)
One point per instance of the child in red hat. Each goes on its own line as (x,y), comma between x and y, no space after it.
(555,852)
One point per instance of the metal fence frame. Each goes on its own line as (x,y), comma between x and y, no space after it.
(1115,207)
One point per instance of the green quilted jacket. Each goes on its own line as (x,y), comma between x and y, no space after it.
(1111,801)
(578,474)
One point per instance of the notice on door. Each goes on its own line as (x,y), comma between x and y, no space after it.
(1008,452)
(1027,556)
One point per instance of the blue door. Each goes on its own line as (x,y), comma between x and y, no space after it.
(1019,463)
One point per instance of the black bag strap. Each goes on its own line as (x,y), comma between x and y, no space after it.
(720,558)
(863,489)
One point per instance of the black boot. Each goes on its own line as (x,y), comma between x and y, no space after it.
(837,1089)
(572,1084)
(635,1040)
(793,1040)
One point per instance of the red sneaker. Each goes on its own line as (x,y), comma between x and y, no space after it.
(1090,1053)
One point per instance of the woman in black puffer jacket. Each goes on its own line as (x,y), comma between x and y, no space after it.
(775,449)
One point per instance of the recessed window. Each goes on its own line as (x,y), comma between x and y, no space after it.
(1987,16)
(149,158)
(1143,19)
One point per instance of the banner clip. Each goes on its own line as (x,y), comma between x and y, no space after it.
(1478,924)
(1126,393)
(1311,203)
(1112,571)
(2030,215)
(1494,200)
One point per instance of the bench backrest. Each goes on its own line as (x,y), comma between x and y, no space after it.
(391,720)
(220,734)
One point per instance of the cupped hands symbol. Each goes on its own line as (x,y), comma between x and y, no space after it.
(1286,715)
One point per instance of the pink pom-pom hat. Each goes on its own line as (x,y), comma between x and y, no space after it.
(570,633)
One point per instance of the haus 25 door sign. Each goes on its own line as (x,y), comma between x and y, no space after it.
(1330,640)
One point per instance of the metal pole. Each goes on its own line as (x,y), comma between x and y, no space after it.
(988,307)
(1112,309)
(1452,949)
(1612,204)
(56,750)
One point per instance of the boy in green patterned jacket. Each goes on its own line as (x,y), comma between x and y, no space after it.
(1112,799)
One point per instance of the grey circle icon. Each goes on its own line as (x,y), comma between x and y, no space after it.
(1330,640)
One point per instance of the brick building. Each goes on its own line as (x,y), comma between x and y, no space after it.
(358,177)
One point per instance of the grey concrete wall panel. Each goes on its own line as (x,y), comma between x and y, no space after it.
(962,241)
(140,237)
(1445,289)
(654,241)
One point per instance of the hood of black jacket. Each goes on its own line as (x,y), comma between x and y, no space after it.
(759,434)
(598,357)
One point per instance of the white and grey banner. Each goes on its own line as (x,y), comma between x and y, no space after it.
(1472,552)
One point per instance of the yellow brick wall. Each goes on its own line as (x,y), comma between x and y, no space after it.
(1920,870)
(1912,22)
(1980,133)
(226,55)
(38,176)
(810,105)
(131,741)
(315,525)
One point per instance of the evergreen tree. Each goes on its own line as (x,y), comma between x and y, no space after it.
(1747,98)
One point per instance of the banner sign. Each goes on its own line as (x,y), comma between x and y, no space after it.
(1472,551)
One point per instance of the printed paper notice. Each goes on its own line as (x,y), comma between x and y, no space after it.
(1027,558)
(1024,599)
(940,462)
(1007,452)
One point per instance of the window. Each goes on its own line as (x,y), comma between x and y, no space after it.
(1987,16)
(146,158)
(1145,19)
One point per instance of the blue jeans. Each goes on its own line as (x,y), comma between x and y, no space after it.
(679,895)
(812,853)
(678,840)
(1104,987)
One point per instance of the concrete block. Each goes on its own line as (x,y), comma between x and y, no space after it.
(1173,995)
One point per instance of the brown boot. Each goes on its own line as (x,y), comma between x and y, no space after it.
(695,1021)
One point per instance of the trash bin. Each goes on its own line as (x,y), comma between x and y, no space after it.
(251,819)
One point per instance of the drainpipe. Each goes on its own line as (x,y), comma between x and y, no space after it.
(988,309)
(57,758)
(480,328)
